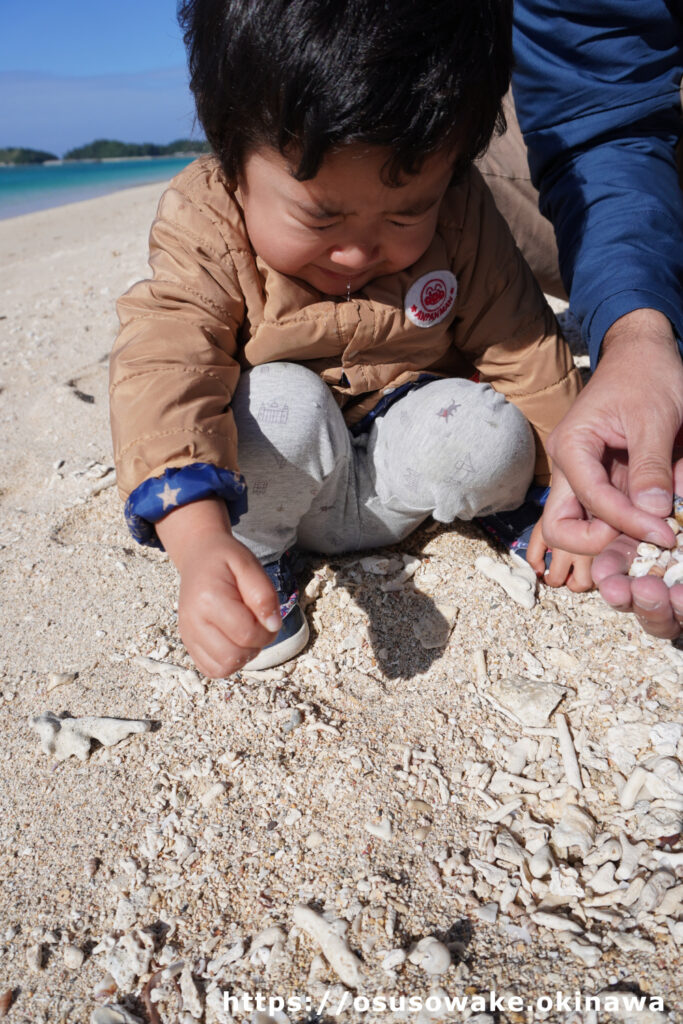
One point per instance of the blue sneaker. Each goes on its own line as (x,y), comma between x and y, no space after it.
(513,529)
(293,635)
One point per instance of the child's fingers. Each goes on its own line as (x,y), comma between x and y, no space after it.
(215,655)
(560,567)
(580,579)
(535,554)
(256,590)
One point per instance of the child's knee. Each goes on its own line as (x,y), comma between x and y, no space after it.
(287,408)
(481,455)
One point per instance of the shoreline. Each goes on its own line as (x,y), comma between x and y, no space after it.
(398,776)
(108,159)
(35,195)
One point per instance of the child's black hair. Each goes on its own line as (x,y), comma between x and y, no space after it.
(304,76)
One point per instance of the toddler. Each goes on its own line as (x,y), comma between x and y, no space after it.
(340,337)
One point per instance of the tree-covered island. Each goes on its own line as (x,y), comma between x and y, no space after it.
(105,149)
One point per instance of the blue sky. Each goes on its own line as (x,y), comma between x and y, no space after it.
(75,70)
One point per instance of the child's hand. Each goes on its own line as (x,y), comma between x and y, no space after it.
(574,570)
(227,607)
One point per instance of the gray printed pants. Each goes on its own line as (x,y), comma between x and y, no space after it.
(452,449)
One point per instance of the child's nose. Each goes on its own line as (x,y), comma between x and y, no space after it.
(355,256)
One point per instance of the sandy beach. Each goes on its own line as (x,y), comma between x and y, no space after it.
(441,762)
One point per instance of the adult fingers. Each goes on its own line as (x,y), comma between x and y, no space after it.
(615,560)
(604,502)
(652,606)
(650,480)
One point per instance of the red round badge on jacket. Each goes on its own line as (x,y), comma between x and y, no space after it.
(430,299)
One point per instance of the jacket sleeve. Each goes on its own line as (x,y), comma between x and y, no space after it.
(174,371)
(505,327)
(597,94)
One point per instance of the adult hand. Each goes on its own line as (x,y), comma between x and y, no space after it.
(658,608)
(612,453)
(228,609)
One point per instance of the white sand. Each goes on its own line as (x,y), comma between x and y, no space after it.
(78,596)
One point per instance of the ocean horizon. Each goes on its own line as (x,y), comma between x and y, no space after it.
(26,188)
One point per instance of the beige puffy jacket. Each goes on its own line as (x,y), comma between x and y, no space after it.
(213,308)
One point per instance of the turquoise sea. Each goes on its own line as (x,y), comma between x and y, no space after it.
(27,188)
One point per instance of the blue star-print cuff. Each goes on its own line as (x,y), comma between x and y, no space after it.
(175,487)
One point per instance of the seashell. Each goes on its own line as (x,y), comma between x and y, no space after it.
(393,959)
(6,1000)
(55,679)
(113,1015)
(542,862)
(531,701)
(520,754)
(488,913)
(73,957)
(420,806)
(212,794)
(569,759)
(508,895)
(380,566)
(34,957)
(629,897)
(631,943)
(105,988)
(634,784)
(267,937)
(575,828)
(656,570)
(187,677)
(659,821)
(335,950)
(674,574)
(516,582)
(603,880)
(671,902)
(562,659)
(431,955)
(381,831)
(555,922)
(678,509)
(91,866)
(611,850)
(491,872)
(671,860)
(192,1002)
(646,550)
(434,625)
(669,770)
(641,567)
(630,857)
(509,850)
(564,883)
(64,737)
(653,891)
(672,524)
(584,951)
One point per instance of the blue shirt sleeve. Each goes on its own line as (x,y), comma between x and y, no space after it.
(596,88)
(157,496)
